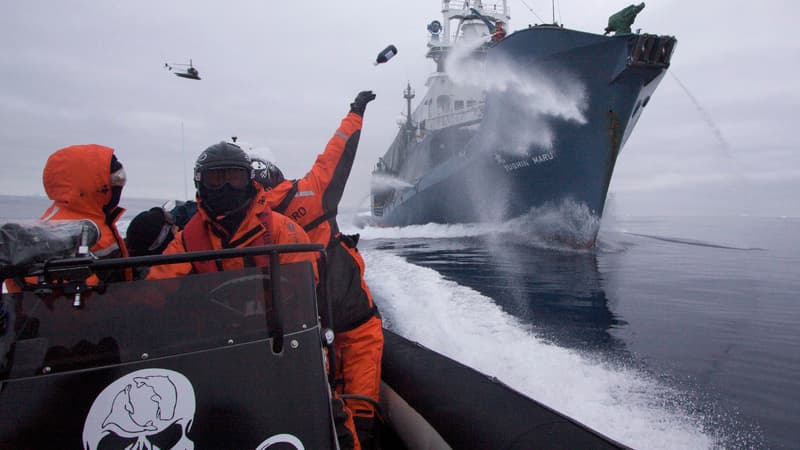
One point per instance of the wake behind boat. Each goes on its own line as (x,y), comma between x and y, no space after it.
(513,123)
(231,359)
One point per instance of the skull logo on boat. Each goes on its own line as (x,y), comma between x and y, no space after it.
(149,409)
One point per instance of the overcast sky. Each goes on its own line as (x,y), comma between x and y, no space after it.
(280,75)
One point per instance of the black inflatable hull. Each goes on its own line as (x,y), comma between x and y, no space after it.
(465,409)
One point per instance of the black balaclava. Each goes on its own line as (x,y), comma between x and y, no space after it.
(223,201)
(227,204)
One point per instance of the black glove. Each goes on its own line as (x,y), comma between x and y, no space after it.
(360,103)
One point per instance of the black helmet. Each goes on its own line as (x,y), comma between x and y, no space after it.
(224,155)
(224,196)
(266,173)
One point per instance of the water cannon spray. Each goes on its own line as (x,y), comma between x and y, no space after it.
(385,55)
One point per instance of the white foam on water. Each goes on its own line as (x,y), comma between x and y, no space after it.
(459,322)
(565,225)
(431,230)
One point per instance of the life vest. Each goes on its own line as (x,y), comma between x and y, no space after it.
(196,238)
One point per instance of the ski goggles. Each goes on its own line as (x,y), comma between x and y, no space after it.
(216,178)
(169,222)
(119,178)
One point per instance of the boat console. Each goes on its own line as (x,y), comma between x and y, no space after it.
(230,359)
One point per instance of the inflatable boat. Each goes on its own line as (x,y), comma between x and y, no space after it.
(225,360)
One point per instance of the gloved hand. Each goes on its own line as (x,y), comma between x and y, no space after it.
(360,103)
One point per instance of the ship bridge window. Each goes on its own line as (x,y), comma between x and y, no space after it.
(459,104)
(470,103)
(443,103)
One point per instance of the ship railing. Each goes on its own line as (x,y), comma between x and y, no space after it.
(464,117)
(496,8)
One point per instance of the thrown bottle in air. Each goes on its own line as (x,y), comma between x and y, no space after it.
(385,55)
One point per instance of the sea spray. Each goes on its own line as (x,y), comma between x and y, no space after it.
(737,171)
(382,182)
(526,103)
(531,98)
(705,115)
(566,225)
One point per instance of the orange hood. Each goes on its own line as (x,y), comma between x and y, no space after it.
(78,177)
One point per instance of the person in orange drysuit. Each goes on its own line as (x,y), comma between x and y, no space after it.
(85,182)
(233,212)
(312,201)
(499,32)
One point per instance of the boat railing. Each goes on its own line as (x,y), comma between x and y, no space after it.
(277,282)
(463,117)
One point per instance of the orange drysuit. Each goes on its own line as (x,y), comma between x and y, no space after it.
(78,180)
(312,201)
(251,232)
(255,229)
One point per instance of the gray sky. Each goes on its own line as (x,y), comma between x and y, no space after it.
(281,76)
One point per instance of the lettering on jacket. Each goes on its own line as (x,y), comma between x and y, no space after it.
(299,213)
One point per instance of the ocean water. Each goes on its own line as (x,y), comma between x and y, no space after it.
(673,333)
(20,208)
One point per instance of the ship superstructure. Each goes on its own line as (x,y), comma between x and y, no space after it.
(511,123)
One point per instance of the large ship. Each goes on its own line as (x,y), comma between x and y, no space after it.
(512,123)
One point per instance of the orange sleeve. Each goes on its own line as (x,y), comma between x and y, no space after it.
(171,270)
(287,231)
(337,159)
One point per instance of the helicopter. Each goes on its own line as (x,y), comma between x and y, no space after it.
(190,73)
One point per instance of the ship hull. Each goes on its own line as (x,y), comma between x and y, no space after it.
(477,173)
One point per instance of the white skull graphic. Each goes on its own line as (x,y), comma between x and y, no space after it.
(150,409)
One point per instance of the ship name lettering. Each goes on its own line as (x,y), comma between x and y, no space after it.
(516,165)
(538,159)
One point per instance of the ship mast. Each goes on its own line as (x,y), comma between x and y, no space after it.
(408,94)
